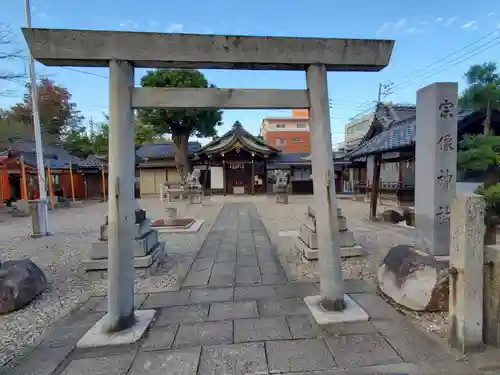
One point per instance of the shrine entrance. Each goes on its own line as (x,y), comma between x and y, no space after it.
(122,52)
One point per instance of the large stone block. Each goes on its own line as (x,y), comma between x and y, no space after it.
(156,256)
(140,230)
(142,246)
(20,282)
(313,254)
(414,279)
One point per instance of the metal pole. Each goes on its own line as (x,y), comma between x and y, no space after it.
(121,198)
(325,199)
(43,214)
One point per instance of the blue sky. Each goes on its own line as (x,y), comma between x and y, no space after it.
(425,31)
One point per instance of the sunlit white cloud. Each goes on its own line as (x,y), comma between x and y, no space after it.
(469,25)
(384,28)
(175,28)
(450,21)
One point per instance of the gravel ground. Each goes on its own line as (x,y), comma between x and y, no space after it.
(60,257)
(376,238)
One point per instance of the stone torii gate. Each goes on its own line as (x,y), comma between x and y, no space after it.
(124,51)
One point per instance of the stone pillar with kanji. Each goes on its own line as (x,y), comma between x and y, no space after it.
(435,165)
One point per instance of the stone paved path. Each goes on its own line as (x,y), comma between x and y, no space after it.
(236,313)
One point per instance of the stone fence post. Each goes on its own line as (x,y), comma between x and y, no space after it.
(466,269)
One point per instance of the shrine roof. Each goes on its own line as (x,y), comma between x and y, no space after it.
(399,135)
(162,150)
(234,138)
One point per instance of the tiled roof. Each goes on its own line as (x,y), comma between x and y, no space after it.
(290,158)
(163,150)
(94,161)
(398,135)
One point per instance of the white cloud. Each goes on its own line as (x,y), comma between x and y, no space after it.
(384,28)
(469,25)
(414,30)
(400,24)
(450,21)
(175,28)
(439,19)
(491,14)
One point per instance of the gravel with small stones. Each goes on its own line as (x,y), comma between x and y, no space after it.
(60,256)
(375,237)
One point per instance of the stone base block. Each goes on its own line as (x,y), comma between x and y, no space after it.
(97,337)
(352,312)
(142,246)
(310,238)
(140,230)
(282,198)
(144,266)
(312,254)
(193,228)
(414,279)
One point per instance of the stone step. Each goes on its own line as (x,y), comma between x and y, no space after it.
(156,254)
(143,246)
(310,237)
(140,230)
(312,254)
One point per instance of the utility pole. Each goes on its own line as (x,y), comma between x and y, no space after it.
(42,208)
(384,90)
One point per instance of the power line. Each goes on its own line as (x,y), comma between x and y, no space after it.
(84,72)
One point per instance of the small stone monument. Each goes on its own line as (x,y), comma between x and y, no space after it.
(149,252)
(194,188)
(281,187)
(307,242)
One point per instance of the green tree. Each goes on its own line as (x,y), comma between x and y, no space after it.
(181,123)
(58,115)
(146,133)
(481,153)
(483,92)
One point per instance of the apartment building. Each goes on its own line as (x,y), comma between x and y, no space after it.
(289,134)
(355,130)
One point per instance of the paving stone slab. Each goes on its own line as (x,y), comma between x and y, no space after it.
(274,278)
(197,278)
(205,295)
(160,338)
(207,333)
(297,290)
(138,302)
(178,362)
(352,328)
(203,264)
(182,314)
(283,306)
(247,260)
(233,310)
(113,365)
(358,286)
(376,307)
(236,359)
(410,343)
(68,331)
(299,355)
(42,361)
(255,292)
(224,257)
(261,329)
(302,327)
(248,275)
(166,299)
(362,350)
(269,267)
(223,274)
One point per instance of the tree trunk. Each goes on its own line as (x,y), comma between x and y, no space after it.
(490,236)
(487,119)
(181,155)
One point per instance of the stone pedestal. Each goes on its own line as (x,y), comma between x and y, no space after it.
(149,252)
(307,241)
(436,165)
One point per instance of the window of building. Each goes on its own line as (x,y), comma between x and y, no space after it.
(280,126)
(280,142)
(301,126)
(296,140)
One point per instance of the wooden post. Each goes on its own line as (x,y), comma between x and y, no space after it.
(103,178)
(205,177)
(24,184)
(253,175)
(224,175)
(2,195)
(71,179)
(51,188)
(375,186)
